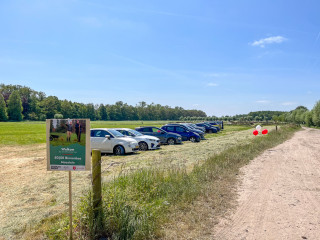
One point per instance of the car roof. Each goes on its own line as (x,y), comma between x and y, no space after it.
(121,128)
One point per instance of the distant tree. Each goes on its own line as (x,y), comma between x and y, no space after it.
(15,107)
(316,114)
(90,112)
(103,112)
(3,109)
(308,118)
(58,116)
(50,106)
(67,109)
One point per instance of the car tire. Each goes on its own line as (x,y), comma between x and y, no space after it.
(192,139)
(171,141)
(143,146)
(118,150)
(210,131)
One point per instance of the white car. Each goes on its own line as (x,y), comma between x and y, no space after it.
(112,141)
(145,142)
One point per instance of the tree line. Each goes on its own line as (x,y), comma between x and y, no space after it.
(302,115)
(19,103)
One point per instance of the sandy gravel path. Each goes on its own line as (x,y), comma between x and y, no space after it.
(279,193)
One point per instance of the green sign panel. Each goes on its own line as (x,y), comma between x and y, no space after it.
(68,144)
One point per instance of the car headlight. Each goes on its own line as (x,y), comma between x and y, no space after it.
(152,140)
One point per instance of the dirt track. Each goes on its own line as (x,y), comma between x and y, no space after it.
(279,193)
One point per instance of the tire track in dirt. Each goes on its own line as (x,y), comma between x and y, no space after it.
(279,193)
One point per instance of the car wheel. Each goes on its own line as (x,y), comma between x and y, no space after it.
(210,131)
(118,150)
(171,141)
(192,139)
(143,146)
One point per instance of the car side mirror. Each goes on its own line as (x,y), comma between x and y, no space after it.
(108,136)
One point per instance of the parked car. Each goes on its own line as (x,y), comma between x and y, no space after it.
(201,133)
(164,136)
(182,130)
(209,128)
(215,124)
(112,141)
(145,142)
(192,125)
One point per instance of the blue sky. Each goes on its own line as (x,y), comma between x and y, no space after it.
(222,57)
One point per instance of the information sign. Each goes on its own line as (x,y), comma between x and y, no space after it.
(68,145)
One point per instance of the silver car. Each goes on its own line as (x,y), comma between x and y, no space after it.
(112,141)
(145,142)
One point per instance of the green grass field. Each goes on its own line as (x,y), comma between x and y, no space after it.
(24,133)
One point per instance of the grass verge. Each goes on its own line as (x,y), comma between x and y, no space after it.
(136,205)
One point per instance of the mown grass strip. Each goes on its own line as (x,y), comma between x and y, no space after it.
(135,205)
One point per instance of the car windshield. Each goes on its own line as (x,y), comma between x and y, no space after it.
(136,133)
(115,133)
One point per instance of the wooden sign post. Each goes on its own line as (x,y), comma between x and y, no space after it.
(68,149)
(70,206)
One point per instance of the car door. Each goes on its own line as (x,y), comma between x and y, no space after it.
(156,132)
(99,141)
(183,132)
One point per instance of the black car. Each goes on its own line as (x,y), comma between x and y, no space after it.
(218,124)
(215,124)
(164,136)
(209,128)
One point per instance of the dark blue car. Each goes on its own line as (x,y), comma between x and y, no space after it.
(185,133)
(209,128)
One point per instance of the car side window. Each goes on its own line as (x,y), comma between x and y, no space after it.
(180,129)
(97,133)
(146,130)
(123,132)
(128,134)
(170,128)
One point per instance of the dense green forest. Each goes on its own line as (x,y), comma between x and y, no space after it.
(21,102)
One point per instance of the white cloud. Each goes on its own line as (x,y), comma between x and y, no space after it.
(288,103)
(212,84)
(269,40)
(263,101)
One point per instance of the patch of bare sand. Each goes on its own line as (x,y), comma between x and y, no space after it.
(279,194)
